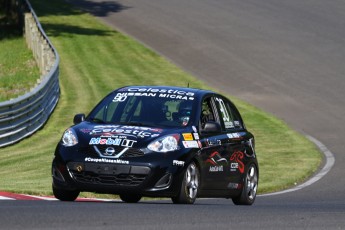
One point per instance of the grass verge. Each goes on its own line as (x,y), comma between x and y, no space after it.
(95,60)
(18,69)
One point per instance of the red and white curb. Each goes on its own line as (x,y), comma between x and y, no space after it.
(15,196)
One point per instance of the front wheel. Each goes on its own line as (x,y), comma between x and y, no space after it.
(190,185)
(65,195)
(248,194)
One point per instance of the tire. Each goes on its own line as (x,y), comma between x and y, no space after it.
(130,198)
(65,195)
(248,193)
(190,185)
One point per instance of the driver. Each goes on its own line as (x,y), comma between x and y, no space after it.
(184,112)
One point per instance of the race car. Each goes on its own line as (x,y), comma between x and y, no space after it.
(158,141)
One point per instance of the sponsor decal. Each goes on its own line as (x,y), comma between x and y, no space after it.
(154,92)
(234,165)
(199,143)
(187,136)
(106,160)
(234,135)
(123,130)
(216,168)
(194,129)
(229,125)
(196,136)
(120,97)
(215,159)
(237,123)
(127,143)
(104,141)
(178,163)
(236,161)
(172,96)
(212,142)
(111,141)
(190,144)
(233,185)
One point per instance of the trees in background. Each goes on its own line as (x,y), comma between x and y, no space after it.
(10,12)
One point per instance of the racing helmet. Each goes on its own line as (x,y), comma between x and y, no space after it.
(184,112)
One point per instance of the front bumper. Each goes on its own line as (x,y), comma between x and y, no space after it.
(147,180)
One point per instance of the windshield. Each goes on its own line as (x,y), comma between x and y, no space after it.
(145,110)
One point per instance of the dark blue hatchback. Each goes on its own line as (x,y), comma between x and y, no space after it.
(158,141)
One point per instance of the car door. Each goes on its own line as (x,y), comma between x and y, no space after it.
(214,156)
(238,145)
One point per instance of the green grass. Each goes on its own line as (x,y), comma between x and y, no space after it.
(18,69)
(95,60)
(286,158)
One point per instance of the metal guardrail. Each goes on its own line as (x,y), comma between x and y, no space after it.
(24,115)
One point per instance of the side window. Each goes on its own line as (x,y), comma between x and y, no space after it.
(229,115)
(207,113)
(236,116)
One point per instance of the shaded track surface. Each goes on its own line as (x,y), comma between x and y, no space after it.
(204,214)
(286,57)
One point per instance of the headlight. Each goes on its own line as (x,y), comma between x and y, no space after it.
(69,138)
(165,144)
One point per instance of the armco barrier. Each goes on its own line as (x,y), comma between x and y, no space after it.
(24,115)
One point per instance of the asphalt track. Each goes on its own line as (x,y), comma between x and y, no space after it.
(286,57)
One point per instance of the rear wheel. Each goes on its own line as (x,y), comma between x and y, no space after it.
(65,195)
(130,198)
(248,194)
(190,185)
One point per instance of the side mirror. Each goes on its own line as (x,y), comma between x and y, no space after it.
(211,127)
(78,118)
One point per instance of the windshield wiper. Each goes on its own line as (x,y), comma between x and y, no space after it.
(97,120)
(132,123)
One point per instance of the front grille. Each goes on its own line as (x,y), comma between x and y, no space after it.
(130,152)
(122,179)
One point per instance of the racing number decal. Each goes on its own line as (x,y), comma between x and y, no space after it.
(225,114)
(223,110)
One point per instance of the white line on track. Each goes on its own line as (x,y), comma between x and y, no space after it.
(42,197)
(14,196)
(5,198)
(327,167)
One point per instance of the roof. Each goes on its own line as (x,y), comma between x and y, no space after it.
(164,89)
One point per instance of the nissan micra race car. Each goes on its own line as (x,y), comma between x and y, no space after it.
(158,141)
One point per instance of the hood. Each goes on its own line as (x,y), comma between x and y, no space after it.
(119,135)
